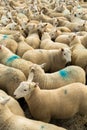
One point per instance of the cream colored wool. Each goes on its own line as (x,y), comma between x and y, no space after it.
(11,44)
(69,74)
(12,104)
(10,121)
(79,52)
(48,44)
(10,78)
(10,59)
(33,37)
(63,39)
(61,103)
(50,57)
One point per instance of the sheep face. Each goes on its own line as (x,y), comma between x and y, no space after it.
(66,54)
(24,89)
(73,40)
(45,35)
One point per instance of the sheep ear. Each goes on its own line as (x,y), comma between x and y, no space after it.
(73,37)
(43,65)
(3,101)
(62,50)
(31,74)
(36,84)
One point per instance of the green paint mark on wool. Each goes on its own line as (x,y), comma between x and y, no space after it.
(12,58)
(63,73)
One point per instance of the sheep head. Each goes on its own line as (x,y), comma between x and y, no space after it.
(74,39)
(35,69)
(66,53)
(25,88)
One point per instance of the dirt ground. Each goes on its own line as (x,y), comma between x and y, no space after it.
(78,122)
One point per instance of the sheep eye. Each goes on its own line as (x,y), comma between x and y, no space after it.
(25,90)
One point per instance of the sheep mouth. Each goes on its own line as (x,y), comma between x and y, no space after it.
(68,64)
(15,96)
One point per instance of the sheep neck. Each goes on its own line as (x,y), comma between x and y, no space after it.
(76,44)
(5,53)
(40,77)
(56,58)
(33,94)
(45,36)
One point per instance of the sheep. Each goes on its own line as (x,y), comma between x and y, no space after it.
(77,48)
(7,32)
(10,59)
(63,29)
(74,27)
(10,78)
(84,40)
(58,31)
(76,19)
(13,105)
(33,38)
(54,32)
(50,57)
(69,74)
(63,38)
(61,103)
(45,18)
(45,27)
(22,45)
(4,20)
(51,13)
(48,44)
(11,44)
(10,121)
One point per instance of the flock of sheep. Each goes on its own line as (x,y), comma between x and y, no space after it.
(43,59)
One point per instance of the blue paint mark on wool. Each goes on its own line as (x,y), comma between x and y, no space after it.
(5,37)
(63,73)
(12,58)
(79,7)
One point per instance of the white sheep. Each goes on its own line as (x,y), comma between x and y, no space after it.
(10,43)
(22,45)
(79,52)
(33,38)
(84,40)
(10,121)
(63,39)
(12,104)
(58,79)
(48,44)
(73,26)
(10,78)
(10,59)
(61,103)
(50,57)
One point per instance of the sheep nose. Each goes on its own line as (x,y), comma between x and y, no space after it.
(75,15)
(68,63)
(14,95)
